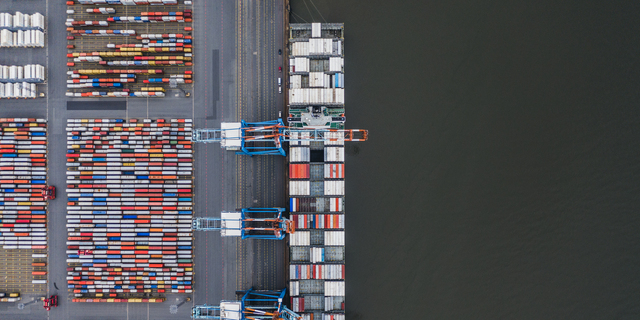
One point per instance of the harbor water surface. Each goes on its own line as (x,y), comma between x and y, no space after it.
(501,177)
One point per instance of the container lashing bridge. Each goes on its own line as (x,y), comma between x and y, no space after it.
(249,223)
(254,305)
(267,137)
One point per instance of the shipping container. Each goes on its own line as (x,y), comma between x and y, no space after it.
(299,171)
(299,188)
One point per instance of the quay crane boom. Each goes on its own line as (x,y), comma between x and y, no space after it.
(249,223)
(255,304)
(267,137)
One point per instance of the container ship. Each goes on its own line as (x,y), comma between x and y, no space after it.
(316,171)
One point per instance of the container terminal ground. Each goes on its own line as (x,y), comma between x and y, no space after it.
(235,71)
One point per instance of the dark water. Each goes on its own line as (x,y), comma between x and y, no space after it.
(501,178)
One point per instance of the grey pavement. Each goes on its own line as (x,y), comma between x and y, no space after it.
(235,77)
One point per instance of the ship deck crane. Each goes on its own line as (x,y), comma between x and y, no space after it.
(267,137)
(249,223)
(254,305)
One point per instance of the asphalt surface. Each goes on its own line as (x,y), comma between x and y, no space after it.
(235,77)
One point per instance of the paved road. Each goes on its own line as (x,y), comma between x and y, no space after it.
(236,70)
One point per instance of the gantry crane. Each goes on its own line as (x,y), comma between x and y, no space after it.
(249,223)
(267,137)
(255,304)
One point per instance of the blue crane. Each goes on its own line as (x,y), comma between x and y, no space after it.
(249,223)
(254,305)
(267,137)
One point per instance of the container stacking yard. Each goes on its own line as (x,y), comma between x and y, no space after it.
(23,229)
(129,210)
(129,48)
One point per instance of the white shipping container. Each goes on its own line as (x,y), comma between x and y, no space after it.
(37,20)
(317,255)
(301,64)
(25,90)
(18,19)
(316,79)
(334,154)
(316,30)
(299,188)
(13,72)
(335,64)
(6,38)
(20,41)
(300,48)
(334,238)
(294,288)
(295,81)
(334,289)
(333,187)
(300,238)
(299,154)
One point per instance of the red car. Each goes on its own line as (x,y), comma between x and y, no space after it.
(51,302)
(49,193)
(85,252)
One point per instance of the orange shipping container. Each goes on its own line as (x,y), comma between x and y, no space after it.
(299,171)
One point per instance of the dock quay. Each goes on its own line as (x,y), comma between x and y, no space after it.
(116,239)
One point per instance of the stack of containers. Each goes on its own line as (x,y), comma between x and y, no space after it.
(317,270)
(20,81)
(131,2)
(130,202)
(317,251)
(140,54)
(17,90)
(20,38)
(101,10)
(12,297)
(20,21)
(28,73)
(23,174)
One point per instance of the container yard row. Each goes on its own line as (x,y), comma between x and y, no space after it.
(130,202)
(134,50)
(23,208)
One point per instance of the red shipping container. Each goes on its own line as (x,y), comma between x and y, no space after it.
(299,171)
